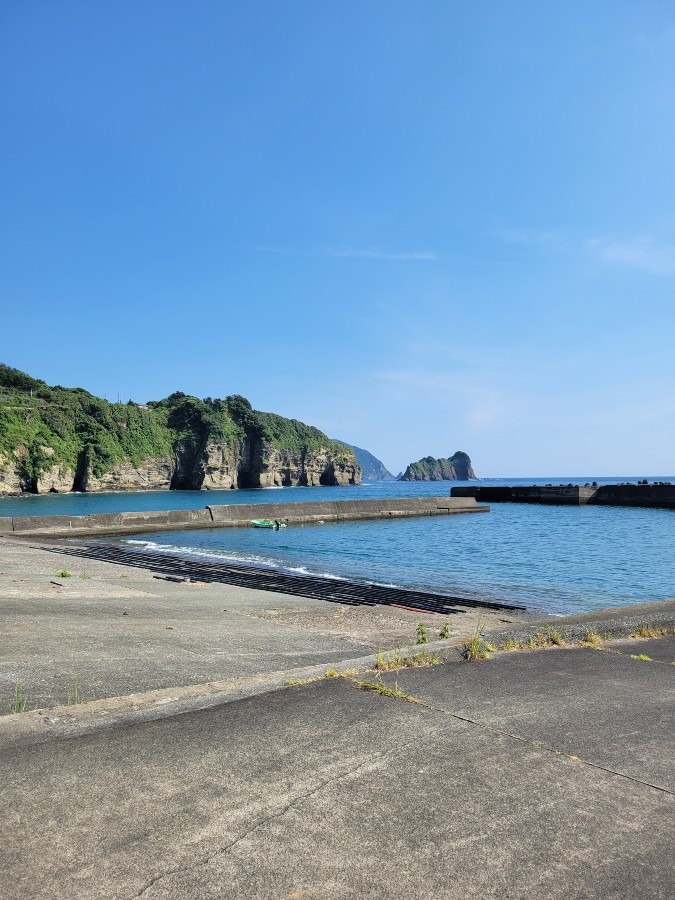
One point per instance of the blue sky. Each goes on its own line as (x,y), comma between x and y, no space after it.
(421,227)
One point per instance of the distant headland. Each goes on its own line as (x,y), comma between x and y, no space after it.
(455,468)
(66,439)
(372,468)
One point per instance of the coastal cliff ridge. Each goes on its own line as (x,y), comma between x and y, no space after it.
(57,439)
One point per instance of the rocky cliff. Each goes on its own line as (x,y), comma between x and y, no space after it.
(63,439)
(456,468)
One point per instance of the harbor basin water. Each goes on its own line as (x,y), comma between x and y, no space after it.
(553,559)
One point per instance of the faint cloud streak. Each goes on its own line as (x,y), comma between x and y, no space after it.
(637,253)
(353,253)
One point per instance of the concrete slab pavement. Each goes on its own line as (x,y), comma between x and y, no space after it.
(116,630)
(606,708)
(328,791)
(659,649)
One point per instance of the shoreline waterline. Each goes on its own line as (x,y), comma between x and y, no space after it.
(559,560)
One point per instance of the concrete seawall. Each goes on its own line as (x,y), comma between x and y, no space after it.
(235,515)
(657,495)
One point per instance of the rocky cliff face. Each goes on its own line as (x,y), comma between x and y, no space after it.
(258,463)
(150,475)
(456,468)
(216,466)
(63,439)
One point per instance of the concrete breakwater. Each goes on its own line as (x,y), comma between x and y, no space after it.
(235,515)
(659,495)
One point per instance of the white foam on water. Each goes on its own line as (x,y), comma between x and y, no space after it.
(241,558)
(202,553)
(303,570)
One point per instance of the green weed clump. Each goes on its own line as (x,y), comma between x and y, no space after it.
(641,656)
(18,704)
(294,682)
(385,690)
(422,634)
(644,631)
(510,644)
(388,663)
(477,647)
(591,639)
(555,636)
(73,695)
(445,632)
(63,574)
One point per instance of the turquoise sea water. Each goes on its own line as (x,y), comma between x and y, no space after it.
(549,558)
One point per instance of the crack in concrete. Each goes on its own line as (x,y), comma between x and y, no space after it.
(539,745)
(270,818)
(542,745)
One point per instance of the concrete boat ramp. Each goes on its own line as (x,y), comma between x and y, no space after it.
(238,743)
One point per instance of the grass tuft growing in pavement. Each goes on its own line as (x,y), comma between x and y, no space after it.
(510,645)
(387,663)
(294,682)
(477,647)
(555,636)
(73,696)
(422,634)
(591,639)
(644,631)
(641,656)
(385,690)
(18,704)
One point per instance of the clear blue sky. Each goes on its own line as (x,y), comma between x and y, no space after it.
(421,227)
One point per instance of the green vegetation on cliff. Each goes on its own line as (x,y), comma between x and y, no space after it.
(42,427)
(456,468)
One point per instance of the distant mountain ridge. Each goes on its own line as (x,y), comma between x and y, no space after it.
(372,469)
(457,468)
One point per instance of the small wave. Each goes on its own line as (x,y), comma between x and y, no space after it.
(237,558)
(303,570)
(203,553)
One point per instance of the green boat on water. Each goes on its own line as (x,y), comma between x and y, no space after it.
(267,523)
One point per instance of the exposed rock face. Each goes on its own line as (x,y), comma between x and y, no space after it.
(10,483)
(56,480)
(261,464)
(213,467)
(456,468)
(150,475)
(63,439)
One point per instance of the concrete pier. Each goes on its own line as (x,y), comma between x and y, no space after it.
(660,495)
(236,515)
